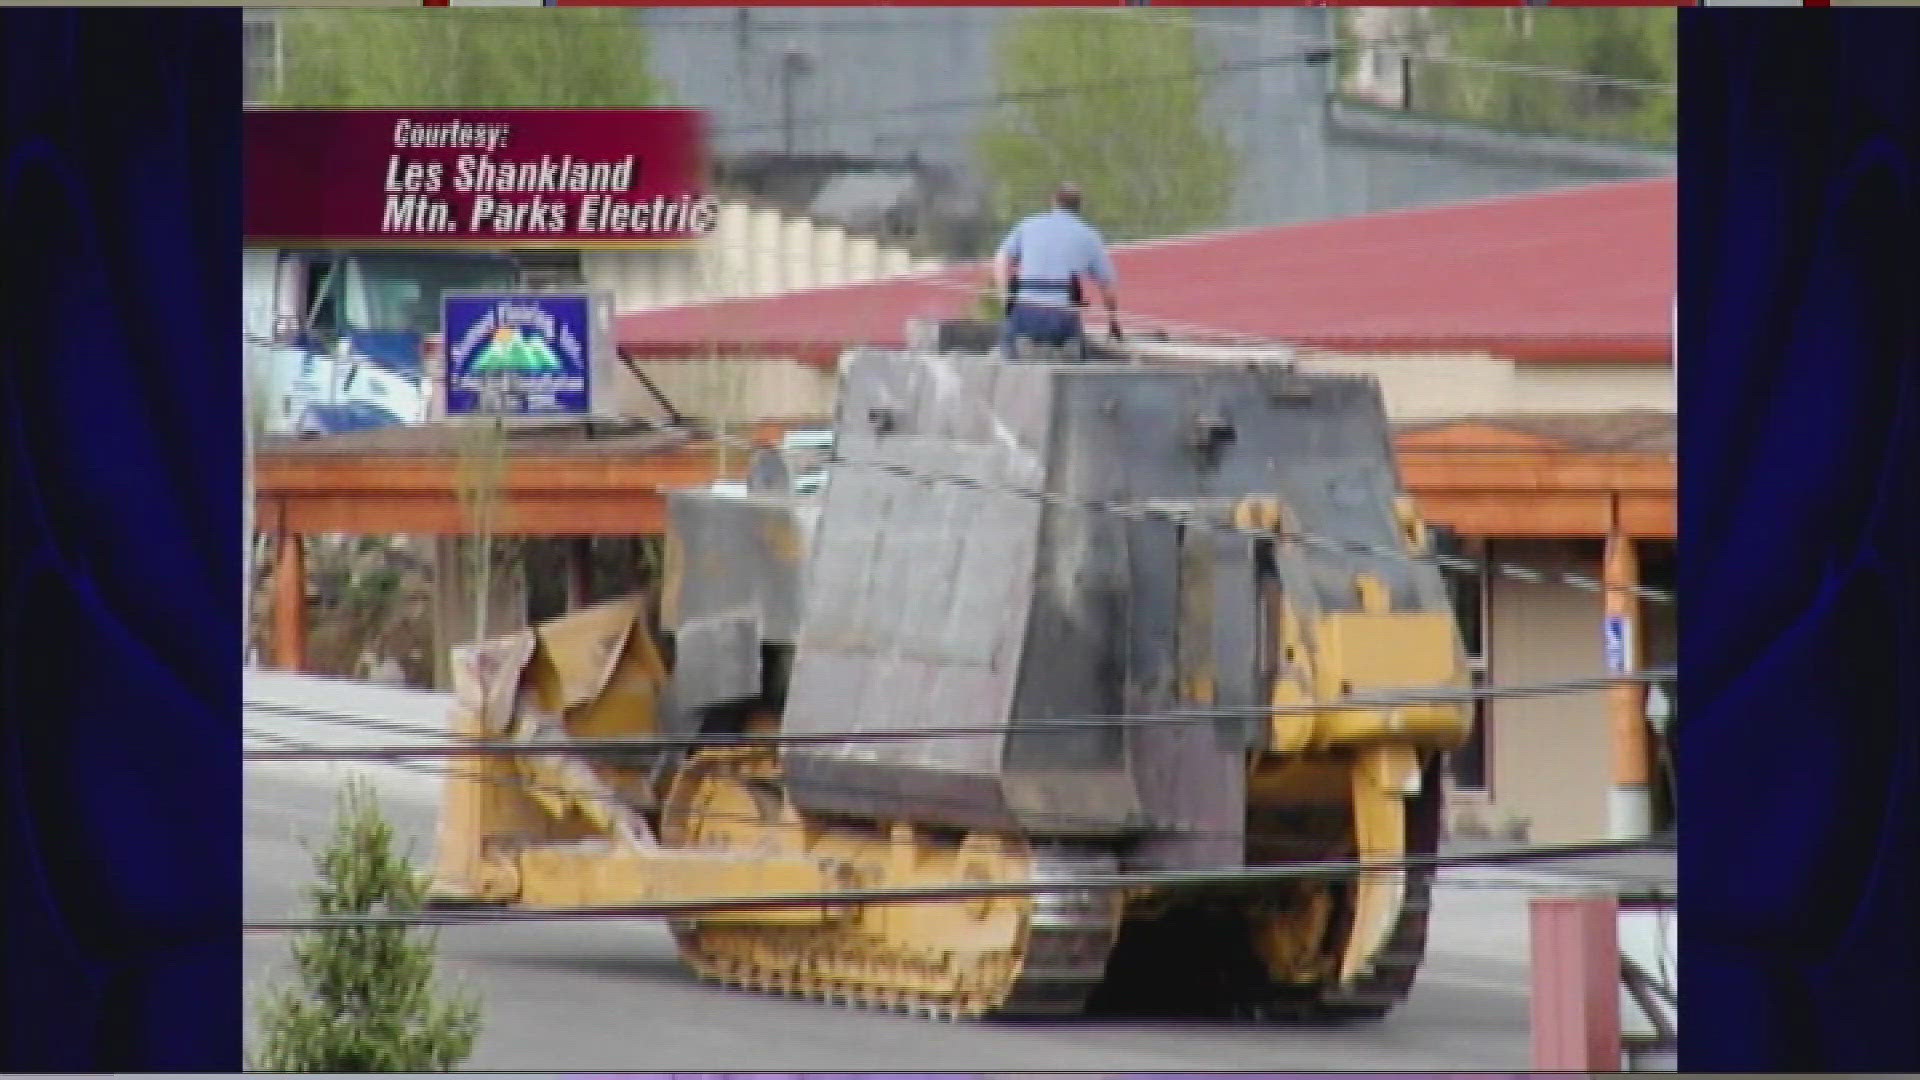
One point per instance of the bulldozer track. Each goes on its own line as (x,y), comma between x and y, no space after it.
(1049,963)
(1055,960)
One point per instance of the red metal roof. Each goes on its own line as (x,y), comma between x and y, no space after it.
(1582,274)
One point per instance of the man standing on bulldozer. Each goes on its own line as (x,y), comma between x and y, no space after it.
(1039,270)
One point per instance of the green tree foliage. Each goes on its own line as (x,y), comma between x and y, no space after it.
(486,59)
(1115,104)
(1633,45)
(365,1000)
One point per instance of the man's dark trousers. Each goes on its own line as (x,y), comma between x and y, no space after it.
(1048,327)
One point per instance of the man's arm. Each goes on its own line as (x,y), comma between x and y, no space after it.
(1103,274)
(1006,261)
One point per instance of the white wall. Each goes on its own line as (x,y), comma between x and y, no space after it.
(749,253)
(1416,386)
(733,389)
(1551,756)
(1438,386)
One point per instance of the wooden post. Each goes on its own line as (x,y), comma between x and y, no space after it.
(1630,805)
(290,605)
(579,572)
(1576,984)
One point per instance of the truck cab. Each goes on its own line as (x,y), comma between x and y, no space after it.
(339,339)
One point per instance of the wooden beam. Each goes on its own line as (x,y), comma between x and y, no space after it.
(1513,492)
(1508,516)
(633,513)
(1536,472)
(287,474)
(1650,517)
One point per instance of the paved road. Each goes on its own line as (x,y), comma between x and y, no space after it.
(611,996)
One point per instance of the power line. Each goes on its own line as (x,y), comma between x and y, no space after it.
(1158,830)
(619,744)
(1582,78)
(1456,563)
(1114,882)
(1186,516)
(1040,822)
(450,742)
(1408,39)
(1319,51)
(352,720)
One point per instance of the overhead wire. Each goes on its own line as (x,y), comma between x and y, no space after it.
(1653,886)
(452,746)
(1109,721)
(1148,829)
(1649,886)
(1410,38)
(1169,510)
(1313,51)
(1158,830)
(1191,516)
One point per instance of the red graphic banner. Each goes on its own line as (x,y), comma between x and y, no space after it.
(503,178)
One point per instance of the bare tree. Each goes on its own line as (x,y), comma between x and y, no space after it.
(482,475)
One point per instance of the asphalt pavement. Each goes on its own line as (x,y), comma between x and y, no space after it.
(609,996)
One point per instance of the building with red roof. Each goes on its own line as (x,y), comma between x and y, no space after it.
(1580,276)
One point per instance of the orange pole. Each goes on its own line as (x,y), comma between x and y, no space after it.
(1630,807)
(290,605)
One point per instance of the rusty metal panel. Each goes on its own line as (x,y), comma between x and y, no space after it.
(1192,776)
(1237,638)
(1194,792)
(1152,626)
(1321,443)
(914,620)
(919,589)
(1076,654)
(738,555)
(716,660)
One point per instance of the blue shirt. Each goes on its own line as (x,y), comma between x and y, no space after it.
(1049,248)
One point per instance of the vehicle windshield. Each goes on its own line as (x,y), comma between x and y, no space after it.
(388,292)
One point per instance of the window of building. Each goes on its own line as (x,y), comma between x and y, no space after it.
(323,297)
(1470,764)
(264,58)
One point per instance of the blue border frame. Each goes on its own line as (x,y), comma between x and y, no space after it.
(119,668)
(1799,539)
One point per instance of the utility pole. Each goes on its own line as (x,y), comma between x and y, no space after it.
(794,63)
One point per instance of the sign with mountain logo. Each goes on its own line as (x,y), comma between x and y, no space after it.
(518,354)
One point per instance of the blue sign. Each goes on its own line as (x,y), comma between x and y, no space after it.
(1618,632)
(518,354)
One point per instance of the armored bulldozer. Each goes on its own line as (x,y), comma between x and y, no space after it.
(1137,610)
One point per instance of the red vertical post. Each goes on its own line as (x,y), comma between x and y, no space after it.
(1576,984)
